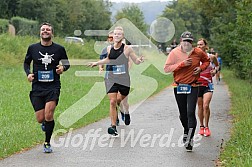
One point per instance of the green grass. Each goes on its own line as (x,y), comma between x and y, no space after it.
(238,150)
(19,129)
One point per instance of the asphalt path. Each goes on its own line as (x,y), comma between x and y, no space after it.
(154,138)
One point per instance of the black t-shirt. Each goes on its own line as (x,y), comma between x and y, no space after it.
(45,59)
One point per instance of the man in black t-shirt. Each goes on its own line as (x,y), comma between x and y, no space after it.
(45,77)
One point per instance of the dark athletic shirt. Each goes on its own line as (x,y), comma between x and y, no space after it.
(45,58)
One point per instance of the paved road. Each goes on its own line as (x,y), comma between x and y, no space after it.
(153,139)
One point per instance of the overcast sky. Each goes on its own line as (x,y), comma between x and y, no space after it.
(135,1)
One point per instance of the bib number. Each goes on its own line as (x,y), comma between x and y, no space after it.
(183,89)
(119,69)
(45,76)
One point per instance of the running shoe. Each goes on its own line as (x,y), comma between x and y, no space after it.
(201,131)
(112,131)
(207,132)
(43,126)
(127,119)
(189,145)
(47,148)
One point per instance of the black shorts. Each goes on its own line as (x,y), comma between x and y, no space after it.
(203,90)
(115,88)
(40,98)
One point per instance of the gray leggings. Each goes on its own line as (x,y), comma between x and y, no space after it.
(187,105)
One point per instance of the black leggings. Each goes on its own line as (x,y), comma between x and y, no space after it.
(187,105)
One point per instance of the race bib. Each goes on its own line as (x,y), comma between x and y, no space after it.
(119,69)
(45,76)
(183,89)
(211,87)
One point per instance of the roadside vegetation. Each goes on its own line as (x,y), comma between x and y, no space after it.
(238,150)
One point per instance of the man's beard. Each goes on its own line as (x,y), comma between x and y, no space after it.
(46,39)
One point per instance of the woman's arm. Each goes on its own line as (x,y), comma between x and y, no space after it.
(130,53)
(100,62)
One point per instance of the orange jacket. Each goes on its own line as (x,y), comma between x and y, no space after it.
(184,74)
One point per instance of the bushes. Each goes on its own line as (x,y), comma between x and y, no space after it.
(24,26)
(13,49)
(4,25)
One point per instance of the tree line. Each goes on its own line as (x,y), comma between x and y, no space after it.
(226,24)
(66,16)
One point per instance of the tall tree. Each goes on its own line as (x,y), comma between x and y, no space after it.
(67,17)
(8,8)
(40,11)
(243,43)
(185,16)
(87,15)
(227,24)
(219,20)
(133,13)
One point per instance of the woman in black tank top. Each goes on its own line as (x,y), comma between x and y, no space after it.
(118,68)
(117,79)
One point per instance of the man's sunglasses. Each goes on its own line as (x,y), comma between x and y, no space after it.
(187,41)
(110,37)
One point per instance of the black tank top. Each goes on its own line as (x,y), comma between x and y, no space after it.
(118,67)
